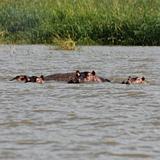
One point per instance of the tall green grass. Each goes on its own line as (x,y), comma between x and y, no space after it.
(113,22)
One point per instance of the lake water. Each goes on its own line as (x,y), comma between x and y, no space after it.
(61,121)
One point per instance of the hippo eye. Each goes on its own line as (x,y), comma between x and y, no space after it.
(42,77)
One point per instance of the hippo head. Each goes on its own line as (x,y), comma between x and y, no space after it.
(26,79)
(82,77)
(134,80)
(21,78)
(87,76)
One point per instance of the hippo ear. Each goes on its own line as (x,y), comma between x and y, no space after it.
(27,79)
(143,78)
(42,77)
(78,73)
(94,73)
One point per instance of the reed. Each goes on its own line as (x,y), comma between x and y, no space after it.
(105,22)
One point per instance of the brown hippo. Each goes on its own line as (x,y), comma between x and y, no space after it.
(134,80)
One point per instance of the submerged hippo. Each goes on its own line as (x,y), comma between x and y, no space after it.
(82,77)
(26,79)
(134,80)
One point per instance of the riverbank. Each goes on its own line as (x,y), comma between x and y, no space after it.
(109,22)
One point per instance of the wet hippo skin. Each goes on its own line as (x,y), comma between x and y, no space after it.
(60,77)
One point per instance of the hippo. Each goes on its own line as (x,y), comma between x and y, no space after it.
(72,77)
(83,77)
(26,79)
(134,80)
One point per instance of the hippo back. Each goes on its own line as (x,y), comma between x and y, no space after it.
(60,77)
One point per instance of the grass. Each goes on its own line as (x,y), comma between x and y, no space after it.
(66,44)
(86,22)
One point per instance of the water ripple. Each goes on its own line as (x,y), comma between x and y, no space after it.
(79,121)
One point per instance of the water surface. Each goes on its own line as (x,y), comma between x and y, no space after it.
(61,121)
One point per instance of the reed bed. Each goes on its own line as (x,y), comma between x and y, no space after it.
(87,22)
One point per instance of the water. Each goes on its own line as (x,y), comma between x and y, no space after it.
(61,121)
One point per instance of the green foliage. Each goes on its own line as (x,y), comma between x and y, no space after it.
(119,22)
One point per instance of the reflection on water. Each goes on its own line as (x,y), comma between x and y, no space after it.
(79,121)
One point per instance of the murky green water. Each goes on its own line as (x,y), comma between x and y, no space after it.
(61,121)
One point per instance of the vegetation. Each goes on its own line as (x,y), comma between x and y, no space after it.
(105,22)
(66,44)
